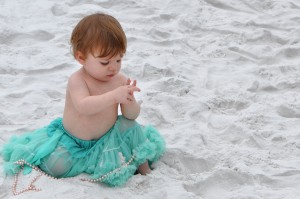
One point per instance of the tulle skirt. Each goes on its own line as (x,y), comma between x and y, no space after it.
(115,156)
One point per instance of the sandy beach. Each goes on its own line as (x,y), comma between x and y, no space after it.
(220,80)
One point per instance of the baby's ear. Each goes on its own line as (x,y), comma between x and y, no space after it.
(80,57)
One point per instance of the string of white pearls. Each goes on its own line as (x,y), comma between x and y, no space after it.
(100,179)
(32,187)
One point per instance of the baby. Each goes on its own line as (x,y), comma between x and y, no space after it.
(91,137)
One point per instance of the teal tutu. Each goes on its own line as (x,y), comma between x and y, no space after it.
(116,155)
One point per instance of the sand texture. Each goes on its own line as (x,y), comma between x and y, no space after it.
(219,79)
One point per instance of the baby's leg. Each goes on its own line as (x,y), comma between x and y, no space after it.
(58,163)
(126,124)
(144,168)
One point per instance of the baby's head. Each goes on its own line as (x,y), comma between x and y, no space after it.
(98,34)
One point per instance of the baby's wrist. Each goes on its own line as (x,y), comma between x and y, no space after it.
(113,98)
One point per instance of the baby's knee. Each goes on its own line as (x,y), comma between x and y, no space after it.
(58,164)
(126,124)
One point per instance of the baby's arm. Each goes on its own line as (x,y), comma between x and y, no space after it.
(87,104)
(81,99)
(131,110)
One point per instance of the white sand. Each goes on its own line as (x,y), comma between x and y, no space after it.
(219,79)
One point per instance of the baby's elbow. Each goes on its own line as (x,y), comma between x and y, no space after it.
(131,115)
(83,110)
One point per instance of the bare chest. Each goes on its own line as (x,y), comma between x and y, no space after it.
(98,88)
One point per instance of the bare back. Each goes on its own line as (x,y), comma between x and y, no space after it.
(89,127)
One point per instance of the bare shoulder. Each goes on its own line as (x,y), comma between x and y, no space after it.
(121,78)
(76,79)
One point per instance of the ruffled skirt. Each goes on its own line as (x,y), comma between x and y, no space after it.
(114,157)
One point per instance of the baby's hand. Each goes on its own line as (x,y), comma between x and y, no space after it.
(124,94)
(133,84)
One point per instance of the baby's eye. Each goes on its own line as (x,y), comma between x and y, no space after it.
(104,63)
(119,60)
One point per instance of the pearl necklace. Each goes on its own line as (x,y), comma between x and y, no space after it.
(32,187)
(109,173)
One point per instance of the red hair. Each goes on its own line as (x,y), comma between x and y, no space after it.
(98,33)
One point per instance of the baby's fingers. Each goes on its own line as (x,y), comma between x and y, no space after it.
(128,81)
(134,83)
(134,89)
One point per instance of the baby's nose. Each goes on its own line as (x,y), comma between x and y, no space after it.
(113,66)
